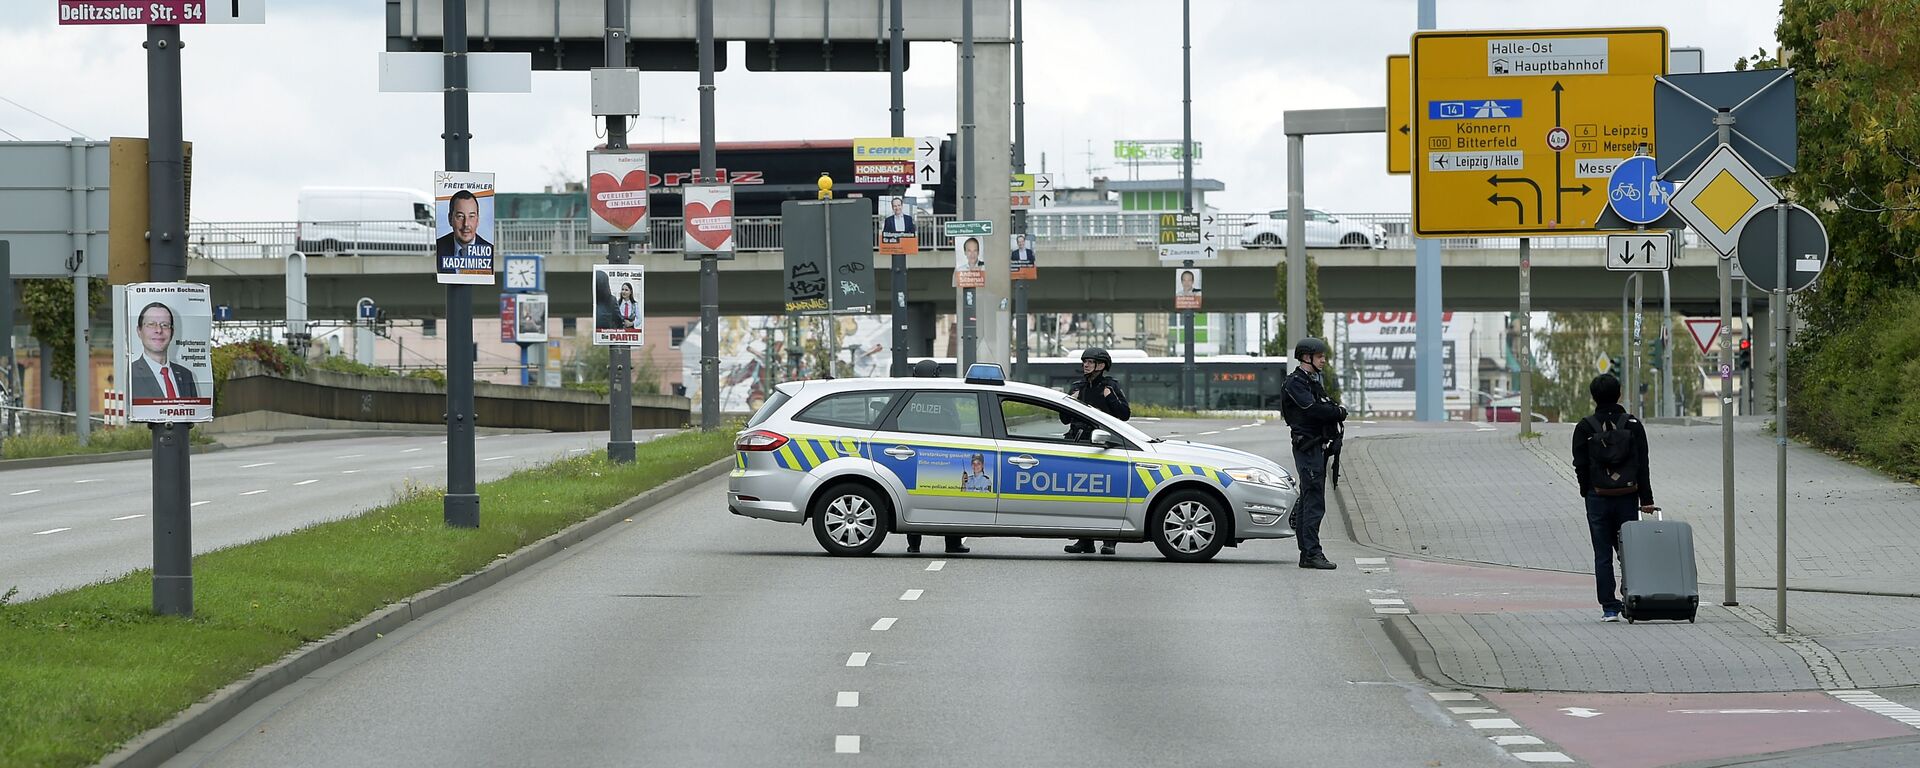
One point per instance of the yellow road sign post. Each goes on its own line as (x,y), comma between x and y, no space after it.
(1399,113)
(1516,132)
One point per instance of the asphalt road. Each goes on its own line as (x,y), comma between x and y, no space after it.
(62,527)
(694,637)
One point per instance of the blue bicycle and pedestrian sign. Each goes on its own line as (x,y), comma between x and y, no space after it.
(1635,194)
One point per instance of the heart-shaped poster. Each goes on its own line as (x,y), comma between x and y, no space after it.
(710,226)
(621,203)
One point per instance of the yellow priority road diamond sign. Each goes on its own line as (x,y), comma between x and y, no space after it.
(1721,197)
(1516,132)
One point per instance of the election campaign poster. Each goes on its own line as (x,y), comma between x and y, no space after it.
(463,227)
(168,370)
(530,318)
(617,193)
(707,211)
(1186,288)
(969,262)
(509,309)
(898,234)
(619,305)
(1021,260)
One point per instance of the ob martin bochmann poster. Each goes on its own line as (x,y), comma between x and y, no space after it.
(169,368)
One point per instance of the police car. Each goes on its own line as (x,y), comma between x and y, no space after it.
(860,458)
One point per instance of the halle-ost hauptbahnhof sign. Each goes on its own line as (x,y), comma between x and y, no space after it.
(1516,132)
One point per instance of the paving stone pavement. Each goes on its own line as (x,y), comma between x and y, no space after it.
(1486,497)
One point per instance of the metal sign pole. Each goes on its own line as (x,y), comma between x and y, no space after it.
(7,389)
(1186,182)
(620,445)
(1723,130)
(1525,332)
(1780,323)
(896,64)
(1020,226)
(710,262)
(461,506)
(166,215)
(970,181)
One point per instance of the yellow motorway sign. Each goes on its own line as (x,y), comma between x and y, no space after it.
(1399,113)
(1516,132)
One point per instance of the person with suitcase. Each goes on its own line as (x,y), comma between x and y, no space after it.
(1610,462)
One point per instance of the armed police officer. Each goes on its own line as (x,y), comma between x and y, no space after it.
(1100,391)
(1315,420)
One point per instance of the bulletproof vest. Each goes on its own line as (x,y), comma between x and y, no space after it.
(1290,410)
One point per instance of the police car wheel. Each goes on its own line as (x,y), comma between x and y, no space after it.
(1187,527)
(849,520)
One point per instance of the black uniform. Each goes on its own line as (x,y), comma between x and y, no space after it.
(1093,392)
(1315,419)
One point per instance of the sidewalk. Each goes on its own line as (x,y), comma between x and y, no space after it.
(1495,506)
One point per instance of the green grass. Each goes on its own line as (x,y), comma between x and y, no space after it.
(101,441)
(84,671)
(1167,412)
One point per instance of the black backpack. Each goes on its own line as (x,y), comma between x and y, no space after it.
(1615,470)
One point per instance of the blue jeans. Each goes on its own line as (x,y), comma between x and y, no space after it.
(1605,515)
(1311,466)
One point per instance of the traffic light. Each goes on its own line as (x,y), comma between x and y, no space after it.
(1613,365)
(1657,352)
(1744,358)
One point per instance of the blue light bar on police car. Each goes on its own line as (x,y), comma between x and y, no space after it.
(986,373)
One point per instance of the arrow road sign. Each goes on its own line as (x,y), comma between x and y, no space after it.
(926,160)
(1649,252)
(1704,330)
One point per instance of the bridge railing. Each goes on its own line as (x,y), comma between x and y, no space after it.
(1103,230)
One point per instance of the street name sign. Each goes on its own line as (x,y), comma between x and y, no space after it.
(1721,197)
(1399,113)
(1514,131)
(163,12)
(1636,194)
(1640,252)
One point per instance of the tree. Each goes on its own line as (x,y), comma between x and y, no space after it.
(1574,343)
(1316,318)
(1859,164)
(49,309)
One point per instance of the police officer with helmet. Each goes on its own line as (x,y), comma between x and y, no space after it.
(1315,420)
(1095,388)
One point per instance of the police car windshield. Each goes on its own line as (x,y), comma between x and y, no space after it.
(1106,422)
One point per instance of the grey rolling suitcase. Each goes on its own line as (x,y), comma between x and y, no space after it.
(1657,576)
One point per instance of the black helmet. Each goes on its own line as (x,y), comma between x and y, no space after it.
(927,369)
(1097,355)
(1309,346)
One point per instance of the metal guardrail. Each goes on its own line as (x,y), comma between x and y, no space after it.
(1105,230)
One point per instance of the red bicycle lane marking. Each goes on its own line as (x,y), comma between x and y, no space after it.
(1646,730)
(1452,588)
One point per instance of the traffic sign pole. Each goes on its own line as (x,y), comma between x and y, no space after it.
(620,445)
(969,182)
(166,214)
(1186,179)
(1525,357)
(1019,168)
(709,262)
(1723,130)
(461,506)
(1780,419)
(896,67)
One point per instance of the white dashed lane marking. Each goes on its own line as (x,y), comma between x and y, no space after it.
(350,456)
(1542,757)
(129,517)
(257,464)
(912,594)
(847,699)
(1453,696)
(936,565)
(1366,561)
(89,480)
(412,450)
(1473,710)
(50,530)
(1493,723)
(1478,707)
(1386,601)
(349,471)
(497,458)
(1215,432)
(307,482)
(1516,741)
(198,503)
(846,745)
(858,659)
(884,624)
(423,466)
(26,492)
(1880,705)
(253,492)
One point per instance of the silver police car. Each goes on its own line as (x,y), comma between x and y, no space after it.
(859,458)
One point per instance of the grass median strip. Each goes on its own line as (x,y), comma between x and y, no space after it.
(84,671)
(110,440)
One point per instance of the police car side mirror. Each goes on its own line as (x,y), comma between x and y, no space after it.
(1104,439)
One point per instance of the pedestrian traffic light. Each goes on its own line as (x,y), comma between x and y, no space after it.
(826,186)
(1657,353)
(1744,360)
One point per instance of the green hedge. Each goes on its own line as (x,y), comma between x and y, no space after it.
(1858,391)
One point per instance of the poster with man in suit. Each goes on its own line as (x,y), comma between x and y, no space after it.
(619,305)
(169,367)
(463,216)
(898,235)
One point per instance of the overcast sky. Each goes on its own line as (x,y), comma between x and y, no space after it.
(295,102)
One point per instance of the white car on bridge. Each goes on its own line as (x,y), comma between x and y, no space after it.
(1324,230)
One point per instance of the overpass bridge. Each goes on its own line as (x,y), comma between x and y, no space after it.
(1108,266)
